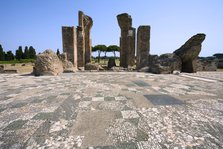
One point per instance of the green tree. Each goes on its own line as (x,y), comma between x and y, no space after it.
(2,54)
(113,48)
(32,52)
(58,52)
(99,48)
(18,53)
(26,53)
(105,51)
(9,56)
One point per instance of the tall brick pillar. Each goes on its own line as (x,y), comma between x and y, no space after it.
(88,23)
(84,39)
(127,40)
(131,47)
(70,43)
(80,47)
(143,46)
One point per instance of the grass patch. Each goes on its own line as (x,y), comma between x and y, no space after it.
(17,61)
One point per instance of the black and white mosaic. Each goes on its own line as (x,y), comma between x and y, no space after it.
(111,110)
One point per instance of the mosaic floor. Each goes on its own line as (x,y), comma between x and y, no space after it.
(112,110)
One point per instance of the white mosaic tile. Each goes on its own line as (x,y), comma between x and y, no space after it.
(132,89)
(120,98)
(58,126)
(12,95)
(84,104)
(156,88)
(76,97)
(129,114)
(98,99)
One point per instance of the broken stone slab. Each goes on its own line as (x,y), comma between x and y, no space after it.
(90,66)
(48,63)
(118,69)
(189,52)
(122,69)
(165,64)
(176,72)
(111,63)
(159,69)
(144,69)
(67,65)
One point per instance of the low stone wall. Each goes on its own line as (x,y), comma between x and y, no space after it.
(1,68)
(220,63)
(207,64)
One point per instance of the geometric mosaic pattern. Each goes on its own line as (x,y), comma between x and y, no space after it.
(111,110)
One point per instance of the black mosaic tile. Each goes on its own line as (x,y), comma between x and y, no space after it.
(125,107)
(2,109)
(18,105)
(43,116)
(109,98)
(130,85)
(15,125)
(118,115)
(127,145)
(163,100)
(134,121)
(141,83)
(141,135)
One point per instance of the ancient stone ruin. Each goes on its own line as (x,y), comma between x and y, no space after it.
(77,49)
(183,60)
(77,45)
(77,41)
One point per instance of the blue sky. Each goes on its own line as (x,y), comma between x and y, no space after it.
(38,22)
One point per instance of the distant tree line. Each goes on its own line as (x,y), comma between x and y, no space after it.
(105,49)
(28,53)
